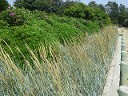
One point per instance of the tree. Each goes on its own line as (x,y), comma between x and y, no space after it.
(79,10)
(122,14)
(43,5)
(92,4)
(112,10)
(65,5)
(102,7)
(28,4)
(3,5)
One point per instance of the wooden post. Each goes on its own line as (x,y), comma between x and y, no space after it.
(123,91)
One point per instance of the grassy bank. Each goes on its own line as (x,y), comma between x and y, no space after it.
(21,26)
(67,69)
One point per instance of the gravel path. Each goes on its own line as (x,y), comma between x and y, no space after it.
(113,78)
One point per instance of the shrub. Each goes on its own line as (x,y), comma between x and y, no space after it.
(80,10)
(14,17)
(79,24)
(92,27)
(40,27)
(77,10)
(3,24)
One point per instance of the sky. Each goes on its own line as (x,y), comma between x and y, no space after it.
(124,2)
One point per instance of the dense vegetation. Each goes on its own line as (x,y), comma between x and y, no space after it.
(21,26)
(117,13)
(56,48)
(68,8)
(75,69)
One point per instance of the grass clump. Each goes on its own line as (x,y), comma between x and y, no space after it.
(77,69)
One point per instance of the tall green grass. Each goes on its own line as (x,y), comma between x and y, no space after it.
(74,69)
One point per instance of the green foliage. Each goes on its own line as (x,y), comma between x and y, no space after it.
(14,17)
(65,5)
(112,10)
(92,27)
(3,24)
(81,24)
(102,7)
(40,27)
(78,10)
(77,69)
(95,14)
(123,14)
(118,14)
(43,5)
(92,4)
(101,17)
(92,12)
(3,5)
